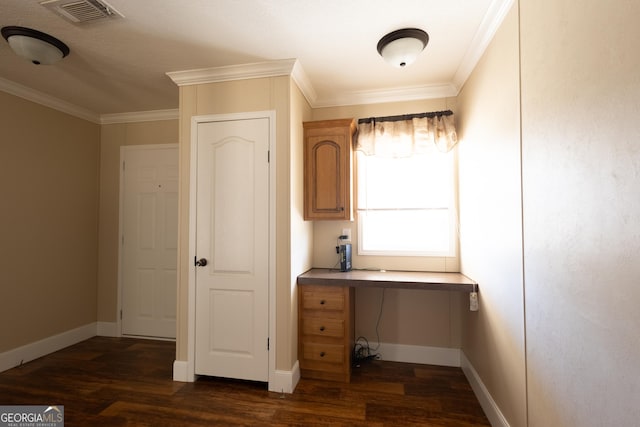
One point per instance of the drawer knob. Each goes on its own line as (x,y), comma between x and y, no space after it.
(322,353)
(321,328)
(322,302)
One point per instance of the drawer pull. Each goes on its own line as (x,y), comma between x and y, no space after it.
(322,353)
(322,302)
(321,328)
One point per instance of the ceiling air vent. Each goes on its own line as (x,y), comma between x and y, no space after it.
(80,11)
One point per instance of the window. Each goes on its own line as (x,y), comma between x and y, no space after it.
(406,205)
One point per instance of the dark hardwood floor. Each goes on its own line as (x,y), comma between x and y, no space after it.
(128,382)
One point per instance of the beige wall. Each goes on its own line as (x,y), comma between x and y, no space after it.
(491,221)
(301,230)
(418,318)
(567,273)
(235,97)
(581,187)
(49,219)
(114,136)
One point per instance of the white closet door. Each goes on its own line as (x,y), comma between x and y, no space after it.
(232,235)
(149,241)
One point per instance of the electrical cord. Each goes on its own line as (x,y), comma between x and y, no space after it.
(362,351)
(378,321)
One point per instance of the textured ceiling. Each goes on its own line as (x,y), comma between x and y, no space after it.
(120,65)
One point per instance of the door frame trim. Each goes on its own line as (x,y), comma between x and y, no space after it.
(191,325)
(123,150)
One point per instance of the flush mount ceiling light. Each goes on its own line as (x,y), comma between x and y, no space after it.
(35,46)
(401,47)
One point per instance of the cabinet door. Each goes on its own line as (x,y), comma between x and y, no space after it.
(328,170)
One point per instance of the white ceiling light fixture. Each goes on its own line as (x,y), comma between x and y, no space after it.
(35,46)
(401,47)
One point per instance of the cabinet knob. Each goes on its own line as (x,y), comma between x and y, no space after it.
(322,354)
(322,302)
(321,328)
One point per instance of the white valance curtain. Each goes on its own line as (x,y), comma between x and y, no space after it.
(403,136)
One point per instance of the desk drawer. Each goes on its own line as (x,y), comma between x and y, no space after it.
(329,353)
(323,327)
(323,299)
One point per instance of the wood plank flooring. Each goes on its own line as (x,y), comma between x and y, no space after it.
(128,382)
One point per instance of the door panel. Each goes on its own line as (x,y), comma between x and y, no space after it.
(149,241)
(231,308)
(232,233)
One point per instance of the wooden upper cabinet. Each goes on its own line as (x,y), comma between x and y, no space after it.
(328,169)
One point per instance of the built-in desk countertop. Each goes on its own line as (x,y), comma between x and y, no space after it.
(388,279)
(326,312)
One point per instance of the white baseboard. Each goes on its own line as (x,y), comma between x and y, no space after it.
(15,357)
(281,382)
(440,356)
(491,409)
(108,329)
(181,371)
(285,381)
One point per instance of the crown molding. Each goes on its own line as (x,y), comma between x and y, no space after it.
(49,101)
(233,72)
(413,93)
(283,67)
(304,83)
(486,31)
(293,68)
(41,98)
(140,116)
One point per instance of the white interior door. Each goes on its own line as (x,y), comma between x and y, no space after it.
(232,235)
(149,240)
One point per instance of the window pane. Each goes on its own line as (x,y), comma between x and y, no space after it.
(421,181)
(423,231)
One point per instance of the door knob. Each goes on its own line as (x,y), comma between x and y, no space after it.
(201,262)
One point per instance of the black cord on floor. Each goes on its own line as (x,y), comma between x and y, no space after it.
(362,351)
